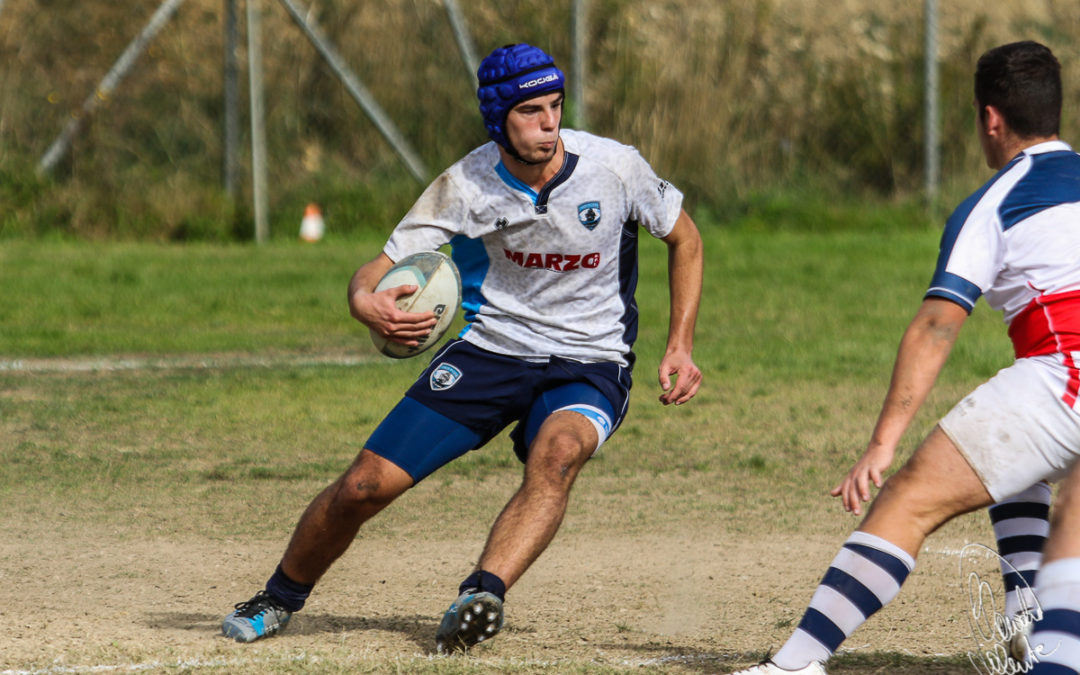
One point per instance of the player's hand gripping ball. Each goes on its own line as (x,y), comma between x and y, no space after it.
(439,291)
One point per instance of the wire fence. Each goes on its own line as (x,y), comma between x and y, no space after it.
(364,102)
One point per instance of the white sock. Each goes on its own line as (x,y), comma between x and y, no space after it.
(1021,525)
(865,575)
(1055,638)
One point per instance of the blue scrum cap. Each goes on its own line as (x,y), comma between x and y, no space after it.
(508,76)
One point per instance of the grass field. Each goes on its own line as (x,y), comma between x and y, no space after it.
(166,413)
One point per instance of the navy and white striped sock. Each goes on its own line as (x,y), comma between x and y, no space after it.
(865,575)
(1055,639)
(1021,525)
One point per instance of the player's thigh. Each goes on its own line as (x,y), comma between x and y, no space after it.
(935,485)
(463,399)
(1064,539)
(420,440)
(373,478)
(563,444)
(480,389)
(575,407)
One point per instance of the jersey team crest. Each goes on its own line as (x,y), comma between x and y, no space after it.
(589,214)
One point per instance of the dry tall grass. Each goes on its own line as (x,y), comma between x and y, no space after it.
(725,98)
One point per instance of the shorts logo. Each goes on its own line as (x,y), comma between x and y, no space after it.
(444,377)
(589,214)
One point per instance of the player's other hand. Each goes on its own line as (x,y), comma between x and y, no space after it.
(379,312)
(679,377)
(855,488)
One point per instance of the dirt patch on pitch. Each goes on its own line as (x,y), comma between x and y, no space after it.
(699,599)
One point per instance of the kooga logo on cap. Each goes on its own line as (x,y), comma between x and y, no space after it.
(540,80)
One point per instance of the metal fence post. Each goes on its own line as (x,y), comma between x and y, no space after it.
(932,149)
(464,41)
(258,122)
(359,93)
(231,96)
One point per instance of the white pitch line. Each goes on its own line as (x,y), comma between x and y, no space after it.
(151,665)
(949,551)
(682,659)
(179,362)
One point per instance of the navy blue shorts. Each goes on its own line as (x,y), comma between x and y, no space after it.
(468,395)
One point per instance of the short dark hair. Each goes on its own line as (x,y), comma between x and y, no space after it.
(1023,81)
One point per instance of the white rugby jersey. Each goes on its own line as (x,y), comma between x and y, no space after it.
(550,273)
(1017,241)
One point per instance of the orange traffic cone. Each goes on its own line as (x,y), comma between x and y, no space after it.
(312,226)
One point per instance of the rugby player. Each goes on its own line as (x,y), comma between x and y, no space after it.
(1015,241)
(543,224)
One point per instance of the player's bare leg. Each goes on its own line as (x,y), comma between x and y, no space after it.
(934,486)
(1064,539)
(330,523)
(532,516)
(524,529)
(1055,636)
(327,527)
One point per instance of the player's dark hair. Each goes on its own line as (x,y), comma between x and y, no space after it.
(1023,81)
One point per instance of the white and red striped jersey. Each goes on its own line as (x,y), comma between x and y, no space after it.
(550,273)
(1017,241)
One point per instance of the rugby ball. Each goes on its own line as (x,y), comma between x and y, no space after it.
(439,291)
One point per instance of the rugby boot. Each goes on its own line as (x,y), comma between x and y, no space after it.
(257,618)
(471,619)
(1019,645)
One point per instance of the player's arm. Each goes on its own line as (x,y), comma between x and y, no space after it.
(922,354)
(679,376)
(379,312)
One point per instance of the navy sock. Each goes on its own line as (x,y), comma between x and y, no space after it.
(290,594)
(482,580)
